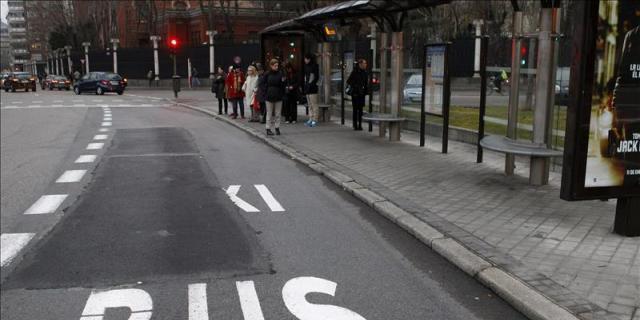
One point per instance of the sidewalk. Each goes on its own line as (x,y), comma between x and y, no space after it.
(564,250)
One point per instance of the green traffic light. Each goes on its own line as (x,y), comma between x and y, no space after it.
(523,62)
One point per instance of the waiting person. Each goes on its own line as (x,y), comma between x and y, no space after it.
(290,102)
(250,87)
(310,88)
(194,77)
(150,76)
(233,84)
(218,88)
(359,83)
(261,94)
(273,83)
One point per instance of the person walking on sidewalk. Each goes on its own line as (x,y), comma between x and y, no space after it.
(250,87)
(310,88)
(290,102)
(233,84)
(359,82)
(217,87)
(273,83)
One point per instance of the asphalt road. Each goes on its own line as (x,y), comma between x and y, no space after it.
(183,217)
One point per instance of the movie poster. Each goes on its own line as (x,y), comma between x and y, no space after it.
(613,156)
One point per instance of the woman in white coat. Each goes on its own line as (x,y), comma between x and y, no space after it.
(250,87)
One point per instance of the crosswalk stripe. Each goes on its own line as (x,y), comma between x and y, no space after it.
(11,244)
(198,308)
(95,146)
(100,137)
(86,158)
(46,204)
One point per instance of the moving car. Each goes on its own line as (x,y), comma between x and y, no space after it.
(20,80)
(99,83)
(59,82)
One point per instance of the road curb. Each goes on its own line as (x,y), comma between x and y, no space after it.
(517,293)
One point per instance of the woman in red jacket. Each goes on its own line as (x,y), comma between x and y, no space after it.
(233,84)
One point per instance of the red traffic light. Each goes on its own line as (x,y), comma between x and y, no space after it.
(523,51)
(173,43)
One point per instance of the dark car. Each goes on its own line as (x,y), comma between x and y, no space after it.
(99,83)
(20,80)
(57,82)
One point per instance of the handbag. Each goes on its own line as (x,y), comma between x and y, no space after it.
(348,90)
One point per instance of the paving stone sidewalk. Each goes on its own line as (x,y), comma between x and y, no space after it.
(565,250)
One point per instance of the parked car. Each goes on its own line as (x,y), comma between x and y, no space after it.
(412,92)
(99,83)
(20,80)
(59,82)
(3,77)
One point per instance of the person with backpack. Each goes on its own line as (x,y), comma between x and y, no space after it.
(272,84)
(358,81)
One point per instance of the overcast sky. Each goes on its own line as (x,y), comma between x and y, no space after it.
(3,10)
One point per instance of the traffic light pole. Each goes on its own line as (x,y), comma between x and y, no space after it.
(176,78)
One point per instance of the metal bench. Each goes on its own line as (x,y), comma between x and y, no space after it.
(394,122)
(521,148)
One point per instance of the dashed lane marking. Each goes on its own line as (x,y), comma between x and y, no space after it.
(86,158)
(11,244)
(106,124)
(46,204)
(104,130)
(95,146)
(71,176)
(100,137)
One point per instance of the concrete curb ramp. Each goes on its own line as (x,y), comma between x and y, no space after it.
(517,293)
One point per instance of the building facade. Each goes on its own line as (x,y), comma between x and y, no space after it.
(5,47)
(17,34)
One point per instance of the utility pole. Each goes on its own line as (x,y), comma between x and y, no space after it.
(114,42)
(211,34)
(156,63)
(86,55)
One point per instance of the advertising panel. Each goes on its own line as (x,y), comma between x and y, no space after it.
(605,143)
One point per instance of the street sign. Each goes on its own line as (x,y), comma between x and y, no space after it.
(435,87)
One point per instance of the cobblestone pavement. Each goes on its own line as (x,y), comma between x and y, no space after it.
(565,250)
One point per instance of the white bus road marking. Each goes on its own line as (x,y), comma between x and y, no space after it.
(137,300)
(71,176)
(104,130)
(100,137)
(295,291)
(271,201)
(95,146)
(249,302)
(106,124)
(46,204)
(198,308)
(86,158)
(232,192)
(11,244)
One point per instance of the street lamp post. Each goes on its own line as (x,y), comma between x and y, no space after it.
(156,64)
(86,55)
(68,49)
(115,42)
(476,59)
(211,34)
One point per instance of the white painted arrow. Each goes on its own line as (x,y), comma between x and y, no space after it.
(232,192)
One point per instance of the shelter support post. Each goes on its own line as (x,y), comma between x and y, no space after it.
(544,97)
(512,119)
(627,221)
(326,72)
(384,40)
(396,82)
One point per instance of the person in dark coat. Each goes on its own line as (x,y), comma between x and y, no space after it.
(359,82)
(290,102)
(261,94)
(273,84)
(217,87)
(310,88)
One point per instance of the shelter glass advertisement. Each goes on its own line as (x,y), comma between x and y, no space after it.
(434,76)
(613,154)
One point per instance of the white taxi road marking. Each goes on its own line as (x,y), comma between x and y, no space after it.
(271,201)
(198,308)
(137,300)
(100,137)
(46,204)
(11,244)
(86,158)
(71,176)
(249,302)
(95,146)
(232,192)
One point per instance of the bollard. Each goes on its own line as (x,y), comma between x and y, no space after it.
(176,85)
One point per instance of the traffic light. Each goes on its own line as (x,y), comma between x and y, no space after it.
(173,45)
(523,55)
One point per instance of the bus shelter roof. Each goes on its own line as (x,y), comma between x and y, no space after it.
(349,10)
